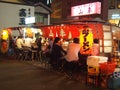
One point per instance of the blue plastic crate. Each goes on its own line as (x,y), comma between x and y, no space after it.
(113,83)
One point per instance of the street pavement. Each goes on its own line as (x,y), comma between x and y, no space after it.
(32,75)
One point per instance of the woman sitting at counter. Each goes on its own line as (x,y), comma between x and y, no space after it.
(57,54)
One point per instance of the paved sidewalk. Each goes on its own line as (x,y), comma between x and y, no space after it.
(32,75)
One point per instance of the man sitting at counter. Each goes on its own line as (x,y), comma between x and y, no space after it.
(19,42)
(72,57)
(28,42)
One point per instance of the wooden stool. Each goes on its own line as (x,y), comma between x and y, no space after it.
(93,75)
(34,55)
(18,53)
(25,54)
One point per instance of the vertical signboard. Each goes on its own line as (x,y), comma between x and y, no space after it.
(86,40)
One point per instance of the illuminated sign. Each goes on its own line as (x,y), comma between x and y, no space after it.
(29,20)
(86,40)
(115,16)
(86,9)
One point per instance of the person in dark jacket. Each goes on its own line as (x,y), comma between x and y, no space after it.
(57,54)
(39,43)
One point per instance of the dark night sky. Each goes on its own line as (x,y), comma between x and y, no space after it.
(36,1)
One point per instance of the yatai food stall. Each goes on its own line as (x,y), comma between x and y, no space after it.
(85,31)
(9,34)
(101,31)
(86,35)
(104,64)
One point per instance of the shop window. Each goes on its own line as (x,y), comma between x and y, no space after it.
(107,40)
(42,18)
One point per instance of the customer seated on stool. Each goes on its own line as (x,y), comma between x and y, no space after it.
(72,57)
(57,54)
(95,48)
(19,42)
(28,42)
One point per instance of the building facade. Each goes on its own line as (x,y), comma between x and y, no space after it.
(62,9)
(114,12)
(14,14)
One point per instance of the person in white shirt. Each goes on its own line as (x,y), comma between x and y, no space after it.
(72,57)
(73,50)
(28,42)
(19,42)
(95,48)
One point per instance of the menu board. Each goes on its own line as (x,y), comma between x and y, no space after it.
(107,35)
(100,42)
(107,43)
(108,49)
(106,28)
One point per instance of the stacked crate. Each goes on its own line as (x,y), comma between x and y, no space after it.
(93,70)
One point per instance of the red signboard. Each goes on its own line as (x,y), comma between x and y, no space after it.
(71,31)
(86,9)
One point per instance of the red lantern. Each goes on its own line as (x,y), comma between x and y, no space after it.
(4,45)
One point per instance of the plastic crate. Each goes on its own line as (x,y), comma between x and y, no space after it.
(107,68)
(92,75)
(95,60)
(93,69)
(113,83)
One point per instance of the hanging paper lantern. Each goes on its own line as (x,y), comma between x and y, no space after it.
(86,40)
(29,32)
(69,35)
(62,33)
(4,46)
(4,35)
(56,34)
(51,34)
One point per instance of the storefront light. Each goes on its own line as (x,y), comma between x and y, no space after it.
(29,20)
(34,30)
(4,32)
(115,16)
(62,24)
(113,31)
(86,9)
